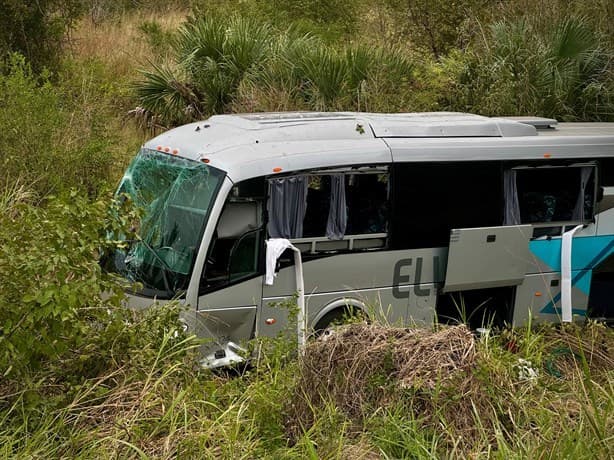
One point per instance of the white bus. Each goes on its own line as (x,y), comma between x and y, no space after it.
(421,217)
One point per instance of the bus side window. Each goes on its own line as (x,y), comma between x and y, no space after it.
(318,206)
(367,201)
(606,172)
(234,251)
(366,204)
(430,199)
(331,211)
(542,195)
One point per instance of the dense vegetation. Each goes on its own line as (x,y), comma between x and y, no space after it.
(83,82)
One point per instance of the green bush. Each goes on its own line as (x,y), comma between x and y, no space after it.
(49,142)
(36,29)
(241,64)
(55,302)
(564,72)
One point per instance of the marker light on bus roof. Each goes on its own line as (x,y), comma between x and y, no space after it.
(547,155)
(205,160)
(175,151)
(277,169)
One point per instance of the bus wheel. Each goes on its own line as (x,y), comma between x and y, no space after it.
(339,316)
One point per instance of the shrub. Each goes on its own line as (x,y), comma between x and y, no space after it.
(237,64)
(564,72)
(36,29)
(57,140)
(54,300)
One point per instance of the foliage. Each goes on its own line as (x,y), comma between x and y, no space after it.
(212,59)
(221,64)
(564,73)
(434,25)
(157,38)
(36,29)
(330,20)
(54,300)
(60,141)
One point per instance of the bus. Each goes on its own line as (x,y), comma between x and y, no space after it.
(414,217)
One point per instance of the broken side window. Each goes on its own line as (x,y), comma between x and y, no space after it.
(430,199)
(542,195)
(339,206)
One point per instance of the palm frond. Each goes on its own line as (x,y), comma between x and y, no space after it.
(161,92)
(326,72)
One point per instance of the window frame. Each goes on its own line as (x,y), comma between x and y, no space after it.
(350,243)
(563,223)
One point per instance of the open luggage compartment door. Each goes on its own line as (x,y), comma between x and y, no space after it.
(487,257)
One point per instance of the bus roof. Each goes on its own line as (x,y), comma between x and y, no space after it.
(258,144)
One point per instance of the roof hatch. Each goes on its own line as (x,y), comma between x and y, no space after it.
(446,124)
(537,122)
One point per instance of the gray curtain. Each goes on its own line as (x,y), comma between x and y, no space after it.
(286,206)
(585,175)
(510,194)
(337,211)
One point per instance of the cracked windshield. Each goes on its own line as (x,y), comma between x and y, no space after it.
(175,196)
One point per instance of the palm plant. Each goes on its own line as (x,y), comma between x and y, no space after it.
(326,73)
(170,98)
(575,65)
(221,65)
(563,73)
(213,56)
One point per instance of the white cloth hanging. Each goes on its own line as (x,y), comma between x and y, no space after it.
(274,249)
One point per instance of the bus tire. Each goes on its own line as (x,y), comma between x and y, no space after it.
(342,315)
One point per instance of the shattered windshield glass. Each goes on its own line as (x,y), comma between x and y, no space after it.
(175,196)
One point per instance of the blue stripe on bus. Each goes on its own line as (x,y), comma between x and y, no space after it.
(583,251)
(583,261)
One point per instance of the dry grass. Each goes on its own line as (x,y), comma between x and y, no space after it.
(13,193)
(361,367)
(119,42)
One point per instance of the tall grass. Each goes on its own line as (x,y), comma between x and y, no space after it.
(121,42)
(160,405)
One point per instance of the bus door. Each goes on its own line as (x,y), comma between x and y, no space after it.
(231,282)
(480,260)
(487,257)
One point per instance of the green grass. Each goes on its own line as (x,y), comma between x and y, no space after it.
(163,406)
